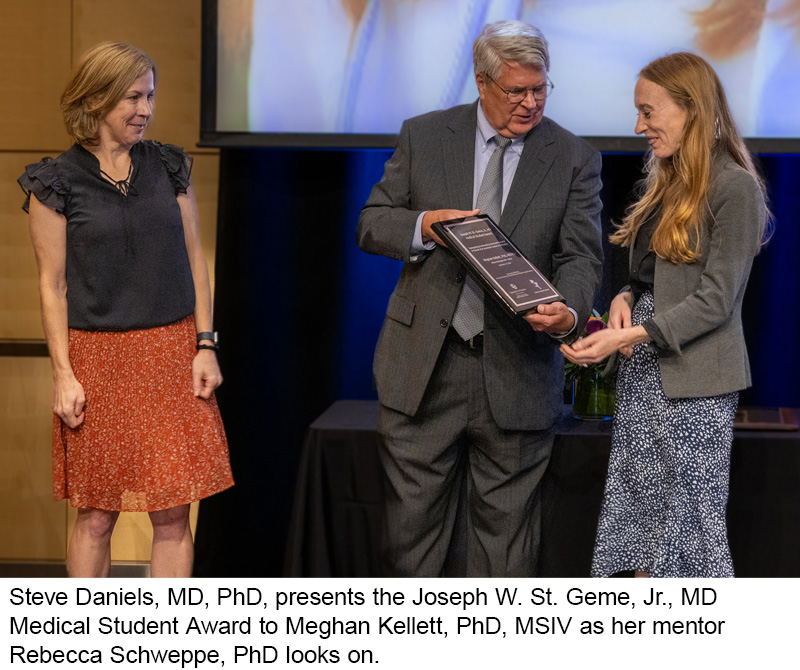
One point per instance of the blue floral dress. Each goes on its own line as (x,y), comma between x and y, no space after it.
(667,487)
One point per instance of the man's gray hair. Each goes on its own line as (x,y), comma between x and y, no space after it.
(512,42)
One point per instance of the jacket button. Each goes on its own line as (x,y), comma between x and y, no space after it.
(444,323)
(460,277)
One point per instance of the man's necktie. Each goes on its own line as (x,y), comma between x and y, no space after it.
(468,317)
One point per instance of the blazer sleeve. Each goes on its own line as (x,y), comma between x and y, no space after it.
(387,222)
(578,257)
(736,223)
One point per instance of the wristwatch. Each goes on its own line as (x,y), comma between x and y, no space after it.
(212,337)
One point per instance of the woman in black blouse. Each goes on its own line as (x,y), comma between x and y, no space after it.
(126,310)
(692,234)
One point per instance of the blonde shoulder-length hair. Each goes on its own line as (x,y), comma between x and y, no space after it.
(679,184)
(98,83)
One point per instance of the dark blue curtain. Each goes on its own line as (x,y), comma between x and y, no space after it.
(299,308)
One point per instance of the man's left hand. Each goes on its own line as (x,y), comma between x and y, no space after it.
(551,318)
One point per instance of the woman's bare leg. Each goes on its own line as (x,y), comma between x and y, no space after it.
(173,549)
(89,551)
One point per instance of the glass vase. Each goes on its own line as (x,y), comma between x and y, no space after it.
(593,397)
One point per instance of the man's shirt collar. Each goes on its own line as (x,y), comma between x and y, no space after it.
(486,132)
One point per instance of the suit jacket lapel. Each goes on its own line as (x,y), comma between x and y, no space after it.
(458,150)
(534,164)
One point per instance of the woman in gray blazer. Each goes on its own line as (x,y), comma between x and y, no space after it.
(692,235)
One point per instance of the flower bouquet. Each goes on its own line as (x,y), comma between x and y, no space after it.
(592,386)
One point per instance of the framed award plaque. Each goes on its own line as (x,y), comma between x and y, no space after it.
(496,264)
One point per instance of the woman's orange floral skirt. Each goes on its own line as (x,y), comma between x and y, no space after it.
(146,442)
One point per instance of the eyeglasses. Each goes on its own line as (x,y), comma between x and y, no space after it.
(517,95)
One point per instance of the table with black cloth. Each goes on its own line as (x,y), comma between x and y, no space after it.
(337,517)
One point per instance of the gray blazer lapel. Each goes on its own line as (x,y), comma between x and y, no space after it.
(534,164)
(458,150)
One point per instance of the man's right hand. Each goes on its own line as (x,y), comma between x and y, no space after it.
(435,215)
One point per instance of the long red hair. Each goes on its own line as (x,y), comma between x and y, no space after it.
(678,185)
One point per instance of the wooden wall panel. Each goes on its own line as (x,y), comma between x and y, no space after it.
(19,287)
(35,39)
(32,524)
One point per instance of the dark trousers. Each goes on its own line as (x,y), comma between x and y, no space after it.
(458,488)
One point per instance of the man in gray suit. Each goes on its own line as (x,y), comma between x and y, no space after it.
(466,392)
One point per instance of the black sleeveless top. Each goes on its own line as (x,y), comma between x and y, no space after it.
(127,267)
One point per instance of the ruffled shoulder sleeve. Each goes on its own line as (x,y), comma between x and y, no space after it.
(178,164)
(44,181)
